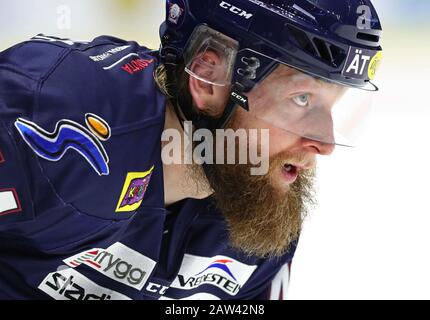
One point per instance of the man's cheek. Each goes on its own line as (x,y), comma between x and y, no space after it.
(281,141)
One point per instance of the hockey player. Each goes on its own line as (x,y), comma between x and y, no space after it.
(88,208)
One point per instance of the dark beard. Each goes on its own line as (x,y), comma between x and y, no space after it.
(262,220)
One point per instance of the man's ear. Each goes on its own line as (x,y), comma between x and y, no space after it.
(207,97)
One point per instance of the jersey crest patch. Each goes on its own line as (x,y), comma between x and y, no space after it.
(134,190)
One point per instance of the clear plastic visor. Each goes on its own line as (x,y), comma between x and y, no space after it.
(288,99)
(311,108)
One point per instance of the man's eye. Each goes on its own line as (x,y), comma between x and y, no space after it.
(302,100)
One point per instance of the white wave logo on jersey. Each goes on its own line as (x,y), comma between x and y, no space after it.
(117,262)
(220,271)
(69,284)
(109,53)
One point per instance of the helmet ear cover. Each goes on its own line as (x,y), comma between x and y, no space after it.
(207,40)
(240,68)
(239,72)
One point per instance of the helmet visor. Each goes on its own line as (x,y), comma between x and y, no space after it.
(307,106)
(211,56)
(290,98)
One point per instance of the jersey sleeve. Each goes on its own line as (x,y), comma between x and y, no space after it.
(16,99)
(23,68)
(72,115)
(15,201)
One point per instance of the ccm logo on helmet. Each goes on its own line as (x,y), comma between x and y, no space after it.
(238,97)
(236,10)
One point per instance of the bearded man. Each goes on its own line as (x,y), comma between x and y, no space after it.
(92,205)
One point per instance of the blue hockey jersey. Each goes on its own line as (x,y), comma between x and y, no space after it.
(82,212)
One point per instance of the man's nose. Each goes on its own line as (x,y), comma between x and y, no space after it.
(318,147)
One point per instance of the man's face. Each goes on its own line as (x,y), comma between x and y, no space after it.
(287,88)
(265,213)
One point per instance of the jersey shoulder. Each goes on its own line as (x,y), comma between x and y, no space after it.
(59,77)
(86,116)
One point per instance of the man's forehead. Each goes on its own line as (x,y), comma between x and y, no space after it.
(283,71)
(293,77)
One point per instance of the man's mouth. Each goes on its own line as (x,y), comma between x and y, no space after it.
(290,172)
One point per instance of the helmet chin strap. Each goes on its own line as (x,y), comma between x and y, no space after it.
(237,99)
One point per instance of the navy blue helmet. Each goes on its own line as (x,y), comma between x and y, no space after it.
(318,37)
(334,40)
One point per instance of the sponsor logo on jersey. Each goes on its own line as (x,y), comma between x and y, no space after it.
(117,262)
(137,65)
(52,146)
(156,288)
(68,284)
(221,265)
(84,257)
(134,189)
(222,272)
(109,53)
(9,202)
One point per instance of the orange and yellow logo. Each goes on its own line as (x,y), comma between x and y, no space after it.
(134,189)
